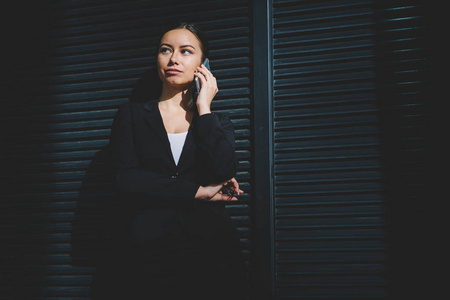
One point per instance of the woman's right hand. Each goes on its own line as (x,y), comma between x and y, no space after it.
(208,90)
(213,193)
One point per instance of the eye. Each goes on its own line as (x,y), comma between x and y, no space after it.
(164,50)
(186,51)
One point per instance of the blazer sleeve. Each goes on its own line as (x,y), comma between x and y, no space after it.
(216,147)
(131,179)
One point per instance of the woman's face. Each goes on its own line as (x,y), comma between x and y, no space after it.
(178,58)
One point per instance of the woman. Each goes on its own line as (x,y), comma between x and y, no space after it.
(174,157)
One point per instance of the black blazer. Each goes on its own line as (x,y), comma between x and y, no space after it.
(157,196)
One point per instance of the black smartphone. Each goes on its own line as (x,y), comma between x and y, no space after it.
(198,85)
(228,192)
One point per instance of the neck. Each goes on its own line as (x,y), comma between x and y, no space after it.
(173,98)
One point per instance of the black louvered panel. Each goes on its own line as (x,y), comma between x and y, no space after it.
(329,195)
(405,98)
(96,53)
(404,45)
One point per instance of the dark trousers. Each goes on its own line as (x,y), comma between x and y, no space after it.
(176,267)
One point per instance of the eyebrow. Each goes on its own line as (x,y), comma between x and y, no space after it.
(182,46)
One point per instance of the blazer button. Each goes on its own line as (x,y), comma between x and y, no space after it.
(174,175)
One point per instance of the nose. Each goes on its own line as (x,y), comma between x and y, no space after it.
(174,58)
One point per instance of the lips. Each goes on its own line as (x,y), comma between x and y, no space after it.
(172,71)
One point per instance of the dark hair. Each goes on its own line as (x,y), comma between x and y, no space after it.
(194,29)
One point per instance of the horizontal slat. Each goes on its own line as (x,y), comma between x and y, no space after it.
(329,234)
(339,99)
(298,7)
(330,292)
(335,269)
(327,199)
(326,133)
(314,50)
(330,188)
(328,144)
(320,91)
(341,281)
(315,246)
(321,69)
(333,257)
(321,58)
(298,81)
(332,155)
(330,211)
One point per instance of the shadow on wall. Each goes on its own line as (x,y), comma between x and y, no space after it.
(405,119)
(99,218)
(24,207)
(94,223)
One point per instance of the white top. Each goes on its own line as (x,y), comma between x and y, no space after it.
(176,144)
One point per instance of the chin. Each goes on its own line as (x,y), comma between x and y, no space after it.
(179,84)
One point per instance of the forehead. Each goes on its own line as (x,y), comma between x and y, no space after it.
(178,37)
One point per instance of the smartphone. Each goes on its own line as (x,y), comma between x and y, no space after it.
(228,192)
(198,85)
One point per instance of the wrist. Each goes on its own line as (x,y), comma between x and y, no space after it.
(203,109)
(201,193)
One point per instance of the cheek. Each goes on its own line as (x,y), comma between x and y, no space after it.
(193,64)
(160,66)
(159,62)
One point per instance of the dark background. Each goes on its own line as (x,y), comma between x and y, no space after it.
(332,102)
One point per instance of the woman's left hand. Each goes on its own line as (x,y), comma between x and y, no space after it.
(215,192)
(232,184)
(207,91)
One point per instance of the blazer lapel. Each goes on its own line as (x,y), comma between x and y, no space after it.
(189,143)
(154,120)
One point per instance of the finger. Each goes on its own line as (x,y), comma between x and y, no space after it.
(234,185)
(221,197)
(207,73)
(201,76)
(205,69)
(231,198)
(202,70)
(232,181)
(227,194)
